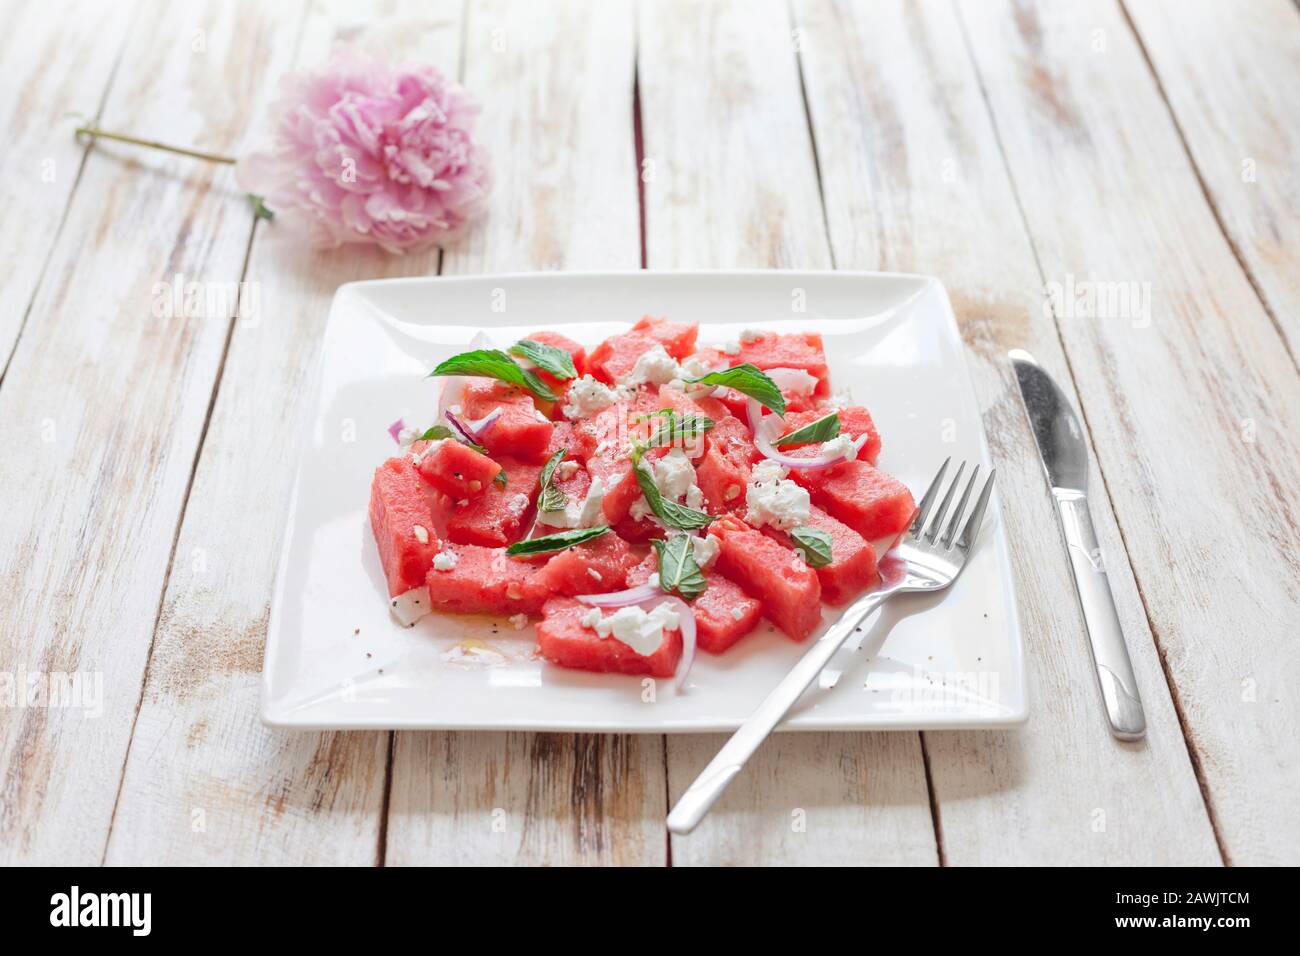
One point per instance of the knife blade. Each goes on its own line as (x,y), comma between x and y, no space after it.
(1063,451)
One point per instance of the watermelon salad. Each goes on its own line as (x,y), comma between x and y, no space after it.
(638,501)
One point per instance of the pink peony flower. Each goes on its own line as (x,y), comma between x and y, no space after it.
(366,152)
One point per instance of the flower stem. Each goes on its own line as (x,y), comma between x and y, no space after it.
(94,132)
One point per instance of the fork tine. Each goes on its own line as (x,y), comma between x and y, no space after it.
(937,523)
(961,509)
(972,528)
(927,499)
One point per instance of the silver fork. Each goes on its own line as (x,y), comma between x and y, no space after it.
(931,562)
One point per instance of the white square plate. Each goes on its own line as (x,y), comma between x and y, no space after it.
(336,659)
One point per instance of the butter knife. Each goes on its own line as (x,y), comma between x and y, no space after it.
(1063,451)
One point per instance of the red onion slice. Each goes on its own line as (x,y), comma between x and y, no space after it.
(686,625)
(636,595)
(763,442)
(793,380)
(395,430)
(651,594)
(483,424)
(470,430)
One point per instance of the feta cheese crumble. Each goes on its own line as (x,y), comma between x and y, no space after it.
(445,560)
(732,347)
(565,469)
(643,631)
(750,335)
(409,606)
(518,621)
(588,396)
(705,548)
(693,367)
(841,446)
(421,533)
(772,499)
(654,365)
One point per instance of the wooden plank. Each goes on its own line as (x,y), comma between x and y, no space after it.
(1229,74)
(107,402)
(558,77)
(1110,198)
(55,58)
(730,182)
(914,182)
(205,781)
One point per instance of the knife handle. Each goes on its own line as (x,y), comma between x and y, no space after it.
(1109,653)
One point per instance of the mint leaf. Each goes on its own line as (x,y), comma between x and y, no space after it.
(673,428)
(554,360)
(493,363)
(824,429)
(555,542)
(551,498)
(749,380)
(669,512)
(815,545)
(678,570)
(501,478)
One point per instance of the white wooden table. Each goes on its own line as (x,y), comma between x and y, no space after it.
(1007,148)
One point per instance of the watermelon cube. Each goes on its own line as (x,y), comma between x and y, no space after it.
(563,435)
(872,503)
(723,613)
(615,357)
(487,581)
(563,639)
(788,588)
(457,470)
(401,518)
(855,421)
(593,567)
(853,561)
(638,530)
(723,481)
(499,516)
(801,350)
(521,431)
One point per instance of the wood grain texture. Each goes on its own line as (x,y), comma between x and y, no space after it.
(558,77)
(1229,73)
(107,401)
(731,182)
(1193,404)
(914,182)
(206,782)
(45,73)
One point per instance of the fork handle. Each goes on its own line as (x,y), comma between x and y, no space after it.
(709,785)
(1115,675)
